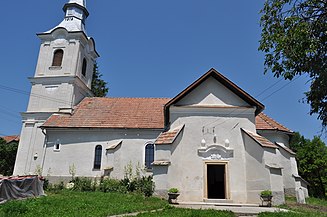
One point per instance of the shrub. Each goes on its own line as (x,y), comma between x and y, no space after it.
(145,185)
(129,184)
(46,184)
(55,187)
(82,184)
(111,185)
(173,190)
(266,193)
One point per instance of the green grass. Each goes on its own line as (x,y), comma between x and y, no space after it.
(314,208)
(69,204)
(316,201)
(171,211)
(290,214)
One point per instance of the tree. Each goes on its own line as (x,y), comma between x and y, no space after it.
(7,157)
(99,86)
(294,40)
(312,162)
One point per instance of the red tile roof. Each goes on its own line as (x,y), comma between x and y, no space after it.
(169,136)
(144,113)
(263,122)
(260,139)
(14,138)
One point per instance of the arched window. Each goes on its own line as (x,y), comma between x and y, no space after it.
(84,66)
(97,157)
(57,57)
(149,155)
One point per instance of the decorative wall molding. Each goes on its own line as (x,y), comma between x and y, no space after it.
(215,152)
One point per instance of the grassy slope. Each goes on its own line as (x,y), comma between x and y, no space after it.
(82,204)
(67,203)
(314,208)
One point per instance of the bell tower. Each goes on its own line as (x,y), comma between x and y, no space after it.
(64,70)
(62,79)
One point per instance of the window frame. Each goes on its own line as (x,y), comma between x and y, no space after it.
(56,60)
(97,157)
(148,155)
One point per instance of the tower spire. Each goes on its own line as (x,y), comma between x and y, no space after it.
(75,16)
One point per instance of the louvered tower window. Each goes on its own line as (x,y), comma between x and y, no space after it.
(57,57)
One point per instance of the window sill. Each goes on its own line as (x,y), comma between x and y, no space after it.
(55,68)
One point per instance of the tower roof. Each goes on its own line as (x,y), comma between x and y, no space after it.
(75,16)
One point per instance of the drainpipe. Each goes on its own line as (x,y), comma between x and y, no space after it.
(45,147)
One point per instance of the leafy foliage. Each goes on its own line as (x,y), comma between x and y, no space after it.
(7,157)
(112,185)
(173,190)
(266,193)
(294,38)
(82,184)
(99,86)
(312,162)
(141,185)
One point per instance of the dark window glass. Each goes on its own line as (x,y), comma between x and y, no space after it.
(57,57)
(149,155)
(84,67)
(97,157)
(57,146)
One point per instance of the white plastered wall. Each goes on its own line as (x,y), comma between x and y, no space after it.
(31,144)
(210,105)
(257,175)
(211,92)
(77,147)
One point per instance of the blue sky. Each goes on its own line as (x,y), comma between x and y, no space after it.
(152,49)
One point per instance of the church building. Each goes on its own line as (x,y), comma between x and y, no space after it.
(212,141)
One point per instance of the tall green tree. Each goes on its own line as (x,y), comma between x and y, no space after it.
(311,156)
(7,157)
(294,40)
(99,86)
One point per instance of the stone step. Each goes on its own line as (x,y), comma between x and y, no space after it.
(217,201)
